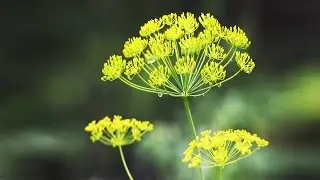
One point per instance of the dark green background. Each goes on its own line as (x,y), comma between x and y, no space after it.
(51,57)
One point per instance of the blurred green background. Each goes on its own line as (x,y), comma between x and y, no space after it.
(51,57)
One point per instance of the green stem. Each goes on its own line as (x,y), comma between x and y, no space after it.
(125,164)
(189,116)
(220,173)
(192,127)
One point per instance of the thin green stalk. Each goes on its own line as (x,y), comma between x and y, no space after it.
(220,173)
(189,116)
(125,164)
(192,127)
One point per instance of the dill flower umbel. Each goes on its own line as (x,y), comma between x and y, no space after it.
(221,148)
(117,131)
(181,55)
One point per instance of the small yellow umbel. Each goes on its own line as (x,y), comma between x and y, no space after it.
(118,132)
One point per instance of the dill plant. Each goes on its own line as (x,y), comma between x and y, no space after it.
(182,56)
(118,132)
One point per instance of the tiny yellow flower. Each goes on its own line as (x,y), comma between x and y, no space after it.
(113,68)
(185,65)
(95,131)
(134,46)
(195,161)
(159,76)
(245,62)
(118,131)
(215,52)
(190,45)
(170,19)
(173,33)
(207,37)
(236,37)
(159,48)
(188,23)
(210,23)
(220,155)
(133,67)
(221,148)
(212,72)
(188,153)
(91,126)
(151,27)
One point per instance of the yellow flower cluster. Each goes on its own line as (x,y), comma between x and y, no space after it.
(185,65)
(159,48)
(236,37)
(133,67)
(187,22)
(151,27)
(169,19)
(118,131)
(212,73)
(244,61)
(221,148)
(159,76)
(113,68)
(190,45)
(173,33)
(134,46)
(215,52)
(180,55)
(210,23)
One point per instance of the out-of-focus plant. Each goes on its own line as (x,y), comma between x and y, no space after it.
(221,148)
(118,132)
(176,56)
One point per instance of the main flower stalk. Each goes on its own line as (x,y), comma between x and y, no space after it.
(192,127)
(189,116)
